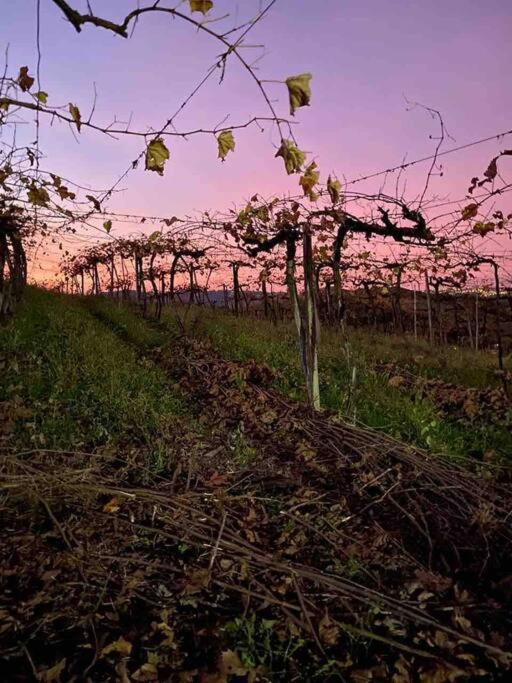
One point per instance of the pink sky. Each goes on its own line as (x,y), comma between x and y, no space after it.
(365,57)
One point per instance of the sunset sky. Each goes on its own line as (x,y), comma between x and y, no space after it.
(367,59)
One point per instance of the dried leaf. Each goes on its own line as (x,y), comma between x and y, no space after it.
(149,670)
(269,417)
(334,189)
(469,211)
(24,80)
(75,115)
(120,646)
(442,672)
(433,582)
(492,170)
(198,580)
(482,228)
(309,180)
(38,196)
(167,631)
(226,143)
(53,674)
(294,158)
(299,91)
(203,6)
(96,203)
(113,504)
(65,193)
(230,664)
(156,156)
(217,480)
(170,221)
(328,631)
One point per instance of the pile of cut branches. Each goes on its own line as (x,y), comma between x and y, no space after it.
(467,404)
(333,552)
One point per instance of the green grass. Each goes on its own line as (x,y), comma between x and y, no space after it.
(70,383)
(124,319)
(455,364)
(78,375)
(350,385)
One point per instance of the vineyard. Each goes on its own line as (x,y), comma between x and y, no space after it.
(268,441)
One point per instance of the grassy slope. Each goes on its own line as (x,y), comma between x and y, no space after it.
(76,380)
(74,376)
(70,383)
(454,364)
(369,399)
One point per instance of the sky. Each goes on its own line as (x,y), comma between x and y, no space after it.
(368,58)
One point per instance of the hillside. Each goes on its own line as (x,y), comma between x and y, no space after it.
(255,342)
(171,505)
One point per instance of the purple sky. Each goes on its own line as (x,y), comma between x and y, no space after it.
(365,57)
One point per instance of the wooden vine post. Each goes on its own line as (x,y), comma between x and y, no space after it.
(12,259)
(236,288)
(499,339)
(310,323)
(415,314)
(339,308)
(305,316)
(429,309)
(477,321)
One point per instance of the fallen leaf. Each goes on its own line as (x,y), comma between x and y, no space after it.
(328,630)
(112,505)
(119,646)
(230,664)
(53,674)
(198,580)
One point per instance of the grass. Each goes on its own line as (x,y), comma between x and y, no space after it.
(455,364)
(70,383)
(125,320)
(257,644)
(79,375)
(351,386)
